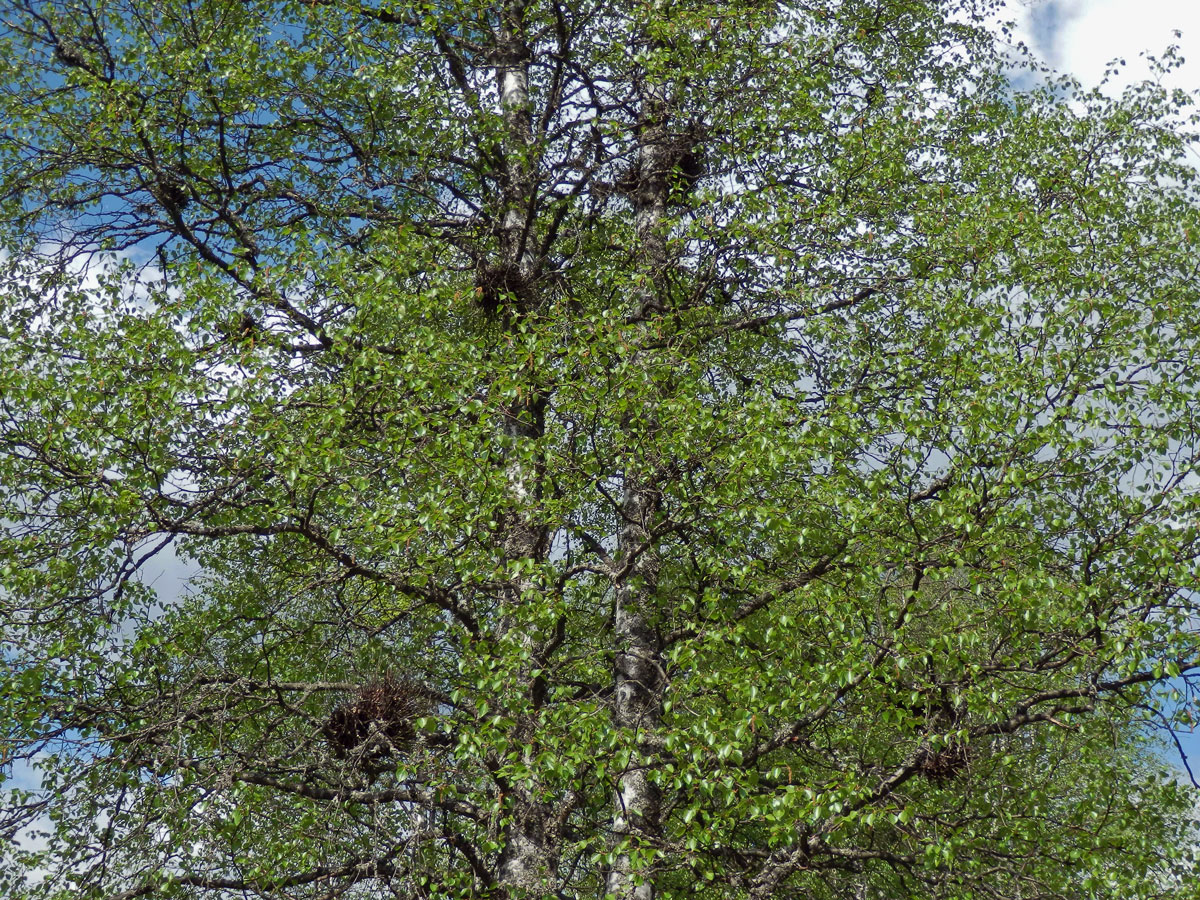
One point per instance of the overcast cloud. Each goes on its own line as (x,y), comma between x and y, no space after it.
(1082,36)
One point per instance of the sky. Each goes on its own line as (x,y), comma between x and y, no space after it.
(1081,37)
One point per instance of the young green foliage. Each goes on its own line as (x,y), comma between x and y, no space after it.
(621,448)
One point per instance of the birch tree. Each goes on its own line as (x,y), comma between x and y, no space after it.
(637,449)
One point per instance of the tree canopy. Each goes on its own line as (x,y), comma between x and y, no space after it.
(629,448)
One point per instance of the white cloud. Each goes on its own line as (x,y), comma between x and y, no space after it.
(1081,37)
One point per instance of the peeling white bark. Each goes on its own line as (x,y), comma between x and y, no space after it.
(526,867)
(639,678)
(639,682)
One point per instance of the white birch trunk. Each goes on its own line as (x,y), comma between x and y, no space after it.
(525,866)
(639,677)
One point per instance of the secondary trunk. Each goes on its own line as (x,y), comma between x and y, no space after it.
(639,676)
(525,863)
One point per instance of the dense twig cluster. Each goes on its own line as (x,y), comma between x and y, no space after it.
(500,285)
(946,763)
(379,721)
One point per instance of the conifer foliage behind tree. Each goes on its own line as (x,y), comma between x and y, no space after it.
(632,448)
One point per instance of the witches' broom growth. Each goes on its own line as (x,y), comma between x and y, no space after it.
(620,448)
